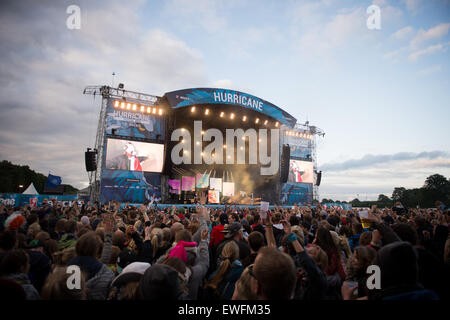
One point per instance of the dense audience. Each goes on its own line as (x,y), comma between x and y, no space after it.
(135,253)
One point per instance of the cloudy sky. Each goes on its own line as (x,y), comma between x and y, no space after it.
(381,96)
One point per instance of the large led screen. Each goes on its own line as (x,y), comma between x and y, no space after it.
(228,189)
(188,183)
(215,184)
(301,171)
(213,196)
(175,186)
(134,155)
(202,180)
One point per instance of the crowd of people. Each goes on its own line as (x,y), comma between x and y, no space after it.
(148,253)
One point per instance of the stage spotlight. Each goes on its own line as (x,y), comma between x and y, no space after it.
(206,112)
(232,116)
(142,108)
(277,124)
(222,114)
(128,106)
(160,112)
(257,120)
(149,109)
(134,107)
(265,122)
(244,118)
(116,104)
(122,105)
(154,110)
(193,109)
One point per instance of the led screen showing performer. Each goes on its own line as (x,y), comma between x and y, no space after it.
(301,171)
(134,155)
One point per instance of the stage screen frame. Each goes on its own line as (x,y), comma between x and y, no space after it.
(115,150)
(187,181)
(297,166)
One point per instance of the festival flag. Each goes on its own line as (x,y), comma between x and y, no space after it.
(53,181)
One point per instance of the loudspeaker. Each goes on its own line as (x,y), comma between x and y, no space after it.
(284,165)
(319,177)
(90,159)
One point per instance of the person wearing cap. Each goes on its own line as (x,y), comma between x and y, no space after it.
(233,232)
(160,282)
(124,286)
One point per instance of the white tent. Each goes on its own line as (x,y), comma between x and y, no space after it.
(30,190)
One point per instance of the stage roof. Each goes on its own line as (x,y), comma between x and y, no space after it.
(189,97)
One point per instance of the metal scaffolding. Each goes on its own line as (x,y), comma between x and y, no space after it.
(107,93)
(307,143)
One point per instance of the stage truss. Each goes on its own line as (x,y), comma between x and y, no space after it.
(107,93)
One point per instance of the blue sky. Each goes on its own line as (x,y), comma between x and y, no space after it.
(381,96)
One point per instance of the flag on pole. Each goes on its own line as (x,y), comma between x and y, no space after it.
(53,181)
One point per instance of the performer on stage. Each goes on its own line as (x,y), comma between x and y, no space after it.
(128,160)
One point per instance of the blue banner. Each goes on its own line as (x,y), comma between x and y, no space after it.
(20,200)
(133,124)
(53,181)
(296,193)
(188,97)
(129,186)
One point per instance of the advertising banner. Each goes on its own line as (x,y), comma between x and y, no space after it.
(296,193)
(188,97)
(129,186)
(134,124)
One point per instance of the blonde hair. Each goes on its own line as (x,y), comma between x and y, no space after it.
(229,254)
(320,257)
(33,229)
(55,287)
(156,237)
(243,288)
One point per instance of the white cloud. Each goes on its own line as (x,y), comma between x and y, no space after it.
(429,50)
(434,33)
(50,122)
(430,70)
(335,33)
(403,33)
(412,5)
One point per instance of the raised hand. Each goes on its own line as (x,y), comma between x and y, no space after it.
(204,234)
(286,226)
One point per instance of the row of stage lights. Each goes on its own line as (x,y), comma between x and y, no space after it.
(135,107)
(298,134)
(232,116)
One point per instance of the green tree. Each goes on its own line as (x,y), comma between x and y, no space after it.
(436,182)
(398,194)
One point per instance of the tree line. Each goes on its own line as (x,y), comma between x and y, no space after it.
(13,176)
(435,188)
